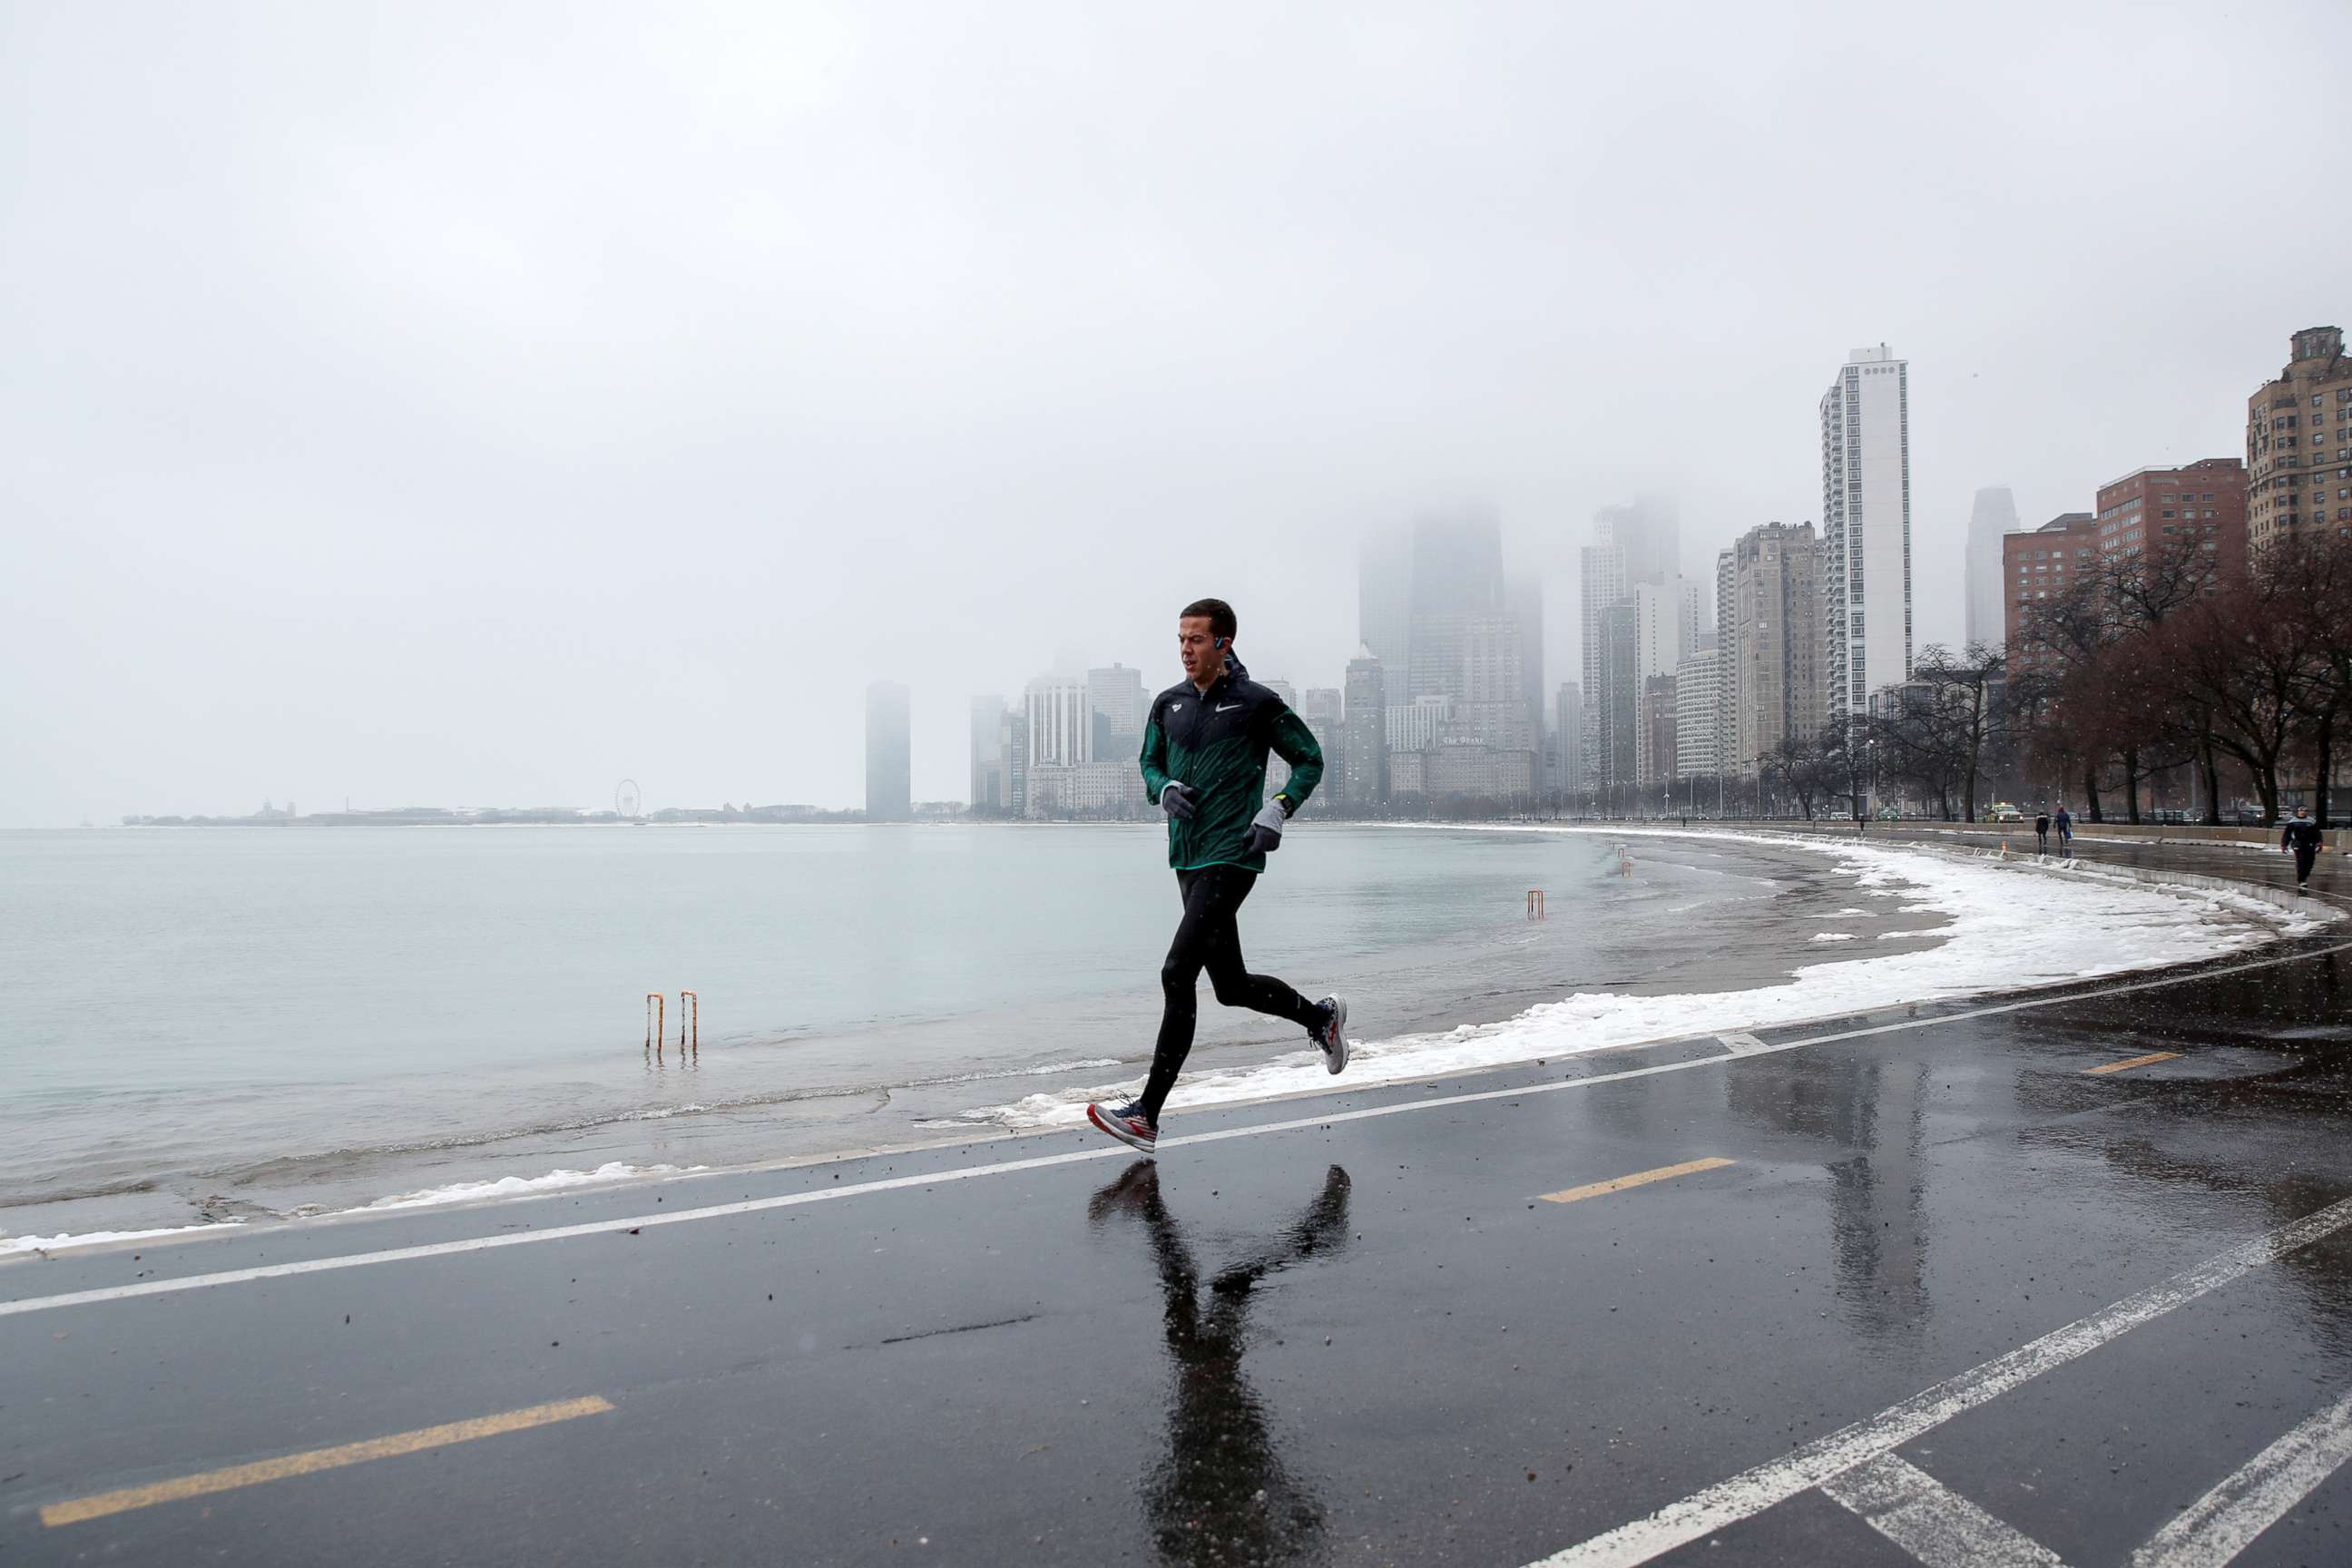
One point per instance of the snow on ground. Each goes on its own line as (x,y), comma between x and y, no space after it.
(2010,927)
(512,1187)
(14,1244)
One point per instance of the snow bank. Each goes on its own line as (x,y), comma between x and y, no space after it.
(511,1186)
(14,1244)
(2009,928)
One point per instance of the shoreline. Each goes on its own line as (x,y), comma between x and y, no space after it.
(1266,1083)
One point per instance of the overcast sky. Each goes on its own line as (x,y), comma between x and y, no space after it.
(476,405)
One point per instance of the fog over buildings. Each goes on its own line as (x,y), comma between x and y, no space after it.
(483,404)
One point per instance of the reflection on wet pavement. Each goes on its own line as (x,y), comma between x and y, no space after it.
(1221,1494)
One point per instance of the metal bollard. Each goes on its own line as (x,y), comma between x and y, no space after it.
(684,997)
(654,1027)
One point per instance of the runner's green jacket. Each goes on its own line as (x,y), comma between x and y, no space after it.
(1217,744)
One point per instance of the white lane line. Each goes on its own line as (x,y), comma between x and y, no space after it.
(2225,1520)
(1042,1162)
(1749,1493)
(1931,1521)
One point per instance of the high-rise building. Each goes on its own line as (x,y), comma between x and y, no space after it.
(1698,691)
(1384,602)
(1060,718)
(1613,709)
(1727,649)
(1277,772)
(988,780)
(1457,577)
(889,780)
(1418,725)
(1490,706)
(2299,441)
(2038,567)
(1324,711)
(1115,696)
(1601,584)
(1523,595)
(1568,770)
(1866,528)
(1658,750)
(1994,516)
(1776,670)
(2160,512)
(1660,644)
(1648,531)
(1015,731)
(1363,760)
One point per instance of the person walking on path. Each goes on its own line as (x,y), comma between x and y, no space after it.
(1204,761)
(2041,833)
(2300,839)
(2065,826)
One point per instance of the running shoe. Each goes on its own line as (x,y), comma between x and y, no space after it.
(1127,1124)
(1332,1038)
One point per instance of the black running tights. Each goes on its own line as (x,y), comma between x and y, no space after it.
(1207,938)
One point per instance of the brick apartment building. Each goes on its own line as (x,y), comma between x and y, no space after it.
(2299,441)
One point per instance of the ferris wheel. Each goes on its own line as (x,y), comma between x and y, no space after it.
(628,800)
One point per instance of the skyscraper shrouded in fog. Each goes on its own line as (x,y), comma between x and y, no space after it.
(1384,604)
(1865,577)
(889,775)
(1995,514)
(1458,578)
(1568,754)
(1634,560)
(1363,732)
(989,786)
(1116,699)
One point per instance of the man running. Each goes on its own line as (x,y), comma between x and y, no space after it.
(2301,837)
(1204,750)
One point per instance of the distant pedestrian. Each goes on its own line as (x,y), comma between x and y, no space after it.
(2065,826)
(2301,838)
(2041,833)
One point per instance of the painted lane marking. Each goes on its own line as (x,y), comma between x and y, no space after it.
(1742,1045)
(1043,1161)
(2225,1520)
(2133,1062)
(316,1460)
(1931,1521)
(1749,1493)
(1638,1179)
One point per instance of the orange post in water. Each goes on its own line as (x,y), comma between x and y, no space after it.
(654,1023)
(685,997)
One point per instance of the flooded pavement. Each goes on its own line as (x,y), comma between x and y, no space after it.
(2025,1279)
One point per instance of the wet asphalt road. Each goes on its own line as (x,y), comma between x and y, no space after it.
(1344,1330)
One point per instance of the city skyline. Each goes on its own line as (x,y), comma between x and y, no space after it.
(464,441)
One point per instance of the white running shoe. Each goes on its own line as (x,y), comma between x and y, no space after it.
(1332,1038)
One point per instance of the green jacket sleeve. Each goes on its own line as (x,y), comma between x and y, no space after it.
(1294,742)
(1154,762)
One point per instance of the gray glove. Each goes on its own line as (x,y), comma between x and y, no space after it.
(1266,830)
(1176,800)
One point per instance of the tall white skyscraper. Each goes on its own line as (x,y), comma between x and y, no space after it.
(1060,720)
(1995,514)
(1865,581)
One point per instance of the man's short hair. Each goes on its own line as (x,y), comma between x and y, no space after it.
(1220,616)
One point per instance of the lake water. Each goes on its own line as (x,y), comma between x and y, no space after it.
(211,1023)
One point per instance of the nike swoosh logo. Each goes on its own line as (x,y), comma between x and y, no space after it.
(1228,708)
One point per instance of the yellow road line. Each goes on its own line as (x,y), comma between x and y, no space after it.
(277,1470)
(2133,1062)
(1639,1178)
